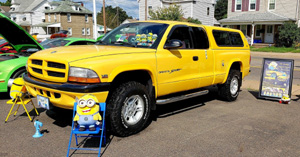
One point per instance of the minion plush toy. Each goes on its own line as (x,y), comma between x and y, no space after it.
(149,37)
(144,39)
(87,114)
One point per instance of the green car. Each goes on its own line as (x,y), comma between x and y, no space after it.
(13,65)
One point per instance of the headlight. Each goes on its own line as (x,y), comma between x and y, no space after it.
(83,75)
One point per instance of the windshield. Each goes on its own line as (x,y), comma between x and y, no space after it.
(54,43)
(146,35)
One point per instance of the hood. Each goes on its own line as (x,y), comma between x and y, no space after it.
(16,35)
(76,53)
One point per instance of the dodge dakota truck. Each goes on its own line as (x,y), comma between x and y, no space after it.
(139,65)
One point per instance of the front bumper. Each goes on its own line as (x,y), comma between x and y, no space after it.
(63,95)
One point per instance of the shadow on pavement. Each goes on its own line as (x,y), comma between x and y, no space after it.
(4,95)
(62,117)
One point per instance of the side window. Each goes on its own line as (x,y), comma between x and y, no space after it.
(236,39)
(79,43)
(228,39)
(182,34)
(222,38)
(200,38)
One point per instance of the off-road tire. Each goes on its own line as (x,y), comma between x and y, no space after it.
(120,125)
(233,79)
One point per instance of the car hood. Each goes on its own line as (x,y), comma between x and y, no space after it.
(16,35)
(76,53)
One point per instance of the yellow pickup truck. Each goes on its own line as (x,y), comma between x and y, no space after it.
(138,65)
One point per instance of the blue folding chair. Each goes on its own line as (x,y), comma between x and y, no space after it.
(99,130)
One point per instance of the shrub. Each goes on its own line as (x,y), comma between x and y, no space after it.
(289,33)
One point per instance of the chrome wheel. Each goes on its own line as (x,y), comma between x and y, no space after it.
(234,86)
(133,109)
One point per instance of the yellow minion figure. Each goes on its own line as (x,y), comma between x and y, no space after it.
(87,114)
(149,37)
(154,37)
(18,88)
(138,38)
(144,39)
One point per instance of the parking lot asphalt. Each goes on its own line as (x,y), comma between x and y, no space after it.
(202,126)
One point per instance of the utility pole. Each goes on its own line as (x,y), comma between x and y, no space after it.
(146,13)
(95,20)
(104,23)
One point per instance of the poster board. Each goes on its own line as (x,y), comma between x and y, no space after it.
(276,78)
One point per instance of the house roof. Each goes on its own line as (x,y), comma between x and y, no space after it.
(256,17)
(5,8)
(66,7)
(26,6)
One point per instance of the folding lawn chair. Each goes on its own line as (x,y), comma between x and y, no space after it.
(19,96)
(100,129)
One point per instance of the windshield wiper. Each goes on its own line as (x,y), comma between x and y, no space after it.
(125,43)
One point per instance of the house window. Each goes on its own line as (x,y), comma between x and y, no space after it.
(252,4)
(88,32)
(258,31)
(150,7)
(12,9)
(14,18)
(24,19)
(70,31)
(86,18)
(83,31)
(244,29)
(238,5)
(49,18)
(271,4)
(55,17)
(207,11)
(69,17)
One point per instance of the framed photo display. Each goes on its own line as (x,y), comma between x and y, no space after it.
(276,78)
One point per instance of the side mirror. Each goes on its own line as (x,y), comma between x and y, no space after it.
(32,50)
(173,44)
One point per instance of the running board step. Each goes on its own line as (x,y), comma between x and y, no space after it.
(181,97)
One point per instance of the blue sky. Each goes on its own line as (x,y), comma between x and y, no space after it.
(130,6)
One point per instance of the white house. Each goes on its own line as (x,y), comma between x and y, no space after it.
(29,12)
(203,10)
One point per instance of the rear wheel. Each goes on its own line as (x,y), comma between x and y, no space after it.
(129,108)
(230,89)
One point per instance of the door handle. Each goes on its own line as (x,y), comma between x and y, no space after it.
(195,58)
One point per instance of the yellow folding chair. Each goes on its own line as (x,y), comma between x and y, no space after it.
(19,95)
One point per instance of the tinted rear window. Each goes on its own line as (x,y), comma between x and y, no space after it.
(228,39)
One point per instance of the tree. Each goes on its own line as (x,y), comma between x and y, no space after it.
(192,20)
(7,3)
(114,16)
(289,33)
(221,9)
(173,13)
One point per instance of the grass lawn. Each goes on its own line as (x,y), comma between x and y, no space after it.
(276,49)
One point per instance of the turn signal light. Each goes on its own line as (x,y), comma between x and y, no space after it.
(84,80)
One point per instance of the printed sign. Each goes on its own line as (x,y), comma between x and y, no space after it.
(276,78)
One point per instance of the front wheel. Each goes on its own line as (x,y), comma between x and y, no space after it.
(230,89)
(129,109)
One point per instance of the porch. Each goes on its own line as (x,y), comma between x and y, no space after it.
(257,27)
